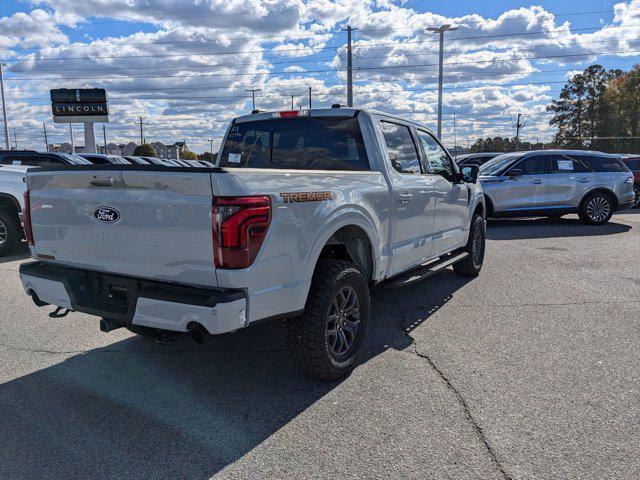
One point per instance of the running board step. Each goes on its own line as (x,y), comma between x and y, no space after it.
(425,270)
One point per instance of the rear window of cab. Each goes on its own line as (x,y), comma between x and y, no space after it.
(307,143)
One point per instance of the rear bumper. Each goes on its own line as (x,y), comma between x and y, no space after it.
(135,301)
(625,206)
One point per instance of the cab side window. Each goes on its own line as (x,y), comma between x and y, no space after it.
(436,158)
(536,165)
(402,151)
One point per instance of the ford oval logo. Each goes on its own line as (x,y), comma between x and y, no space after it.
(106,214)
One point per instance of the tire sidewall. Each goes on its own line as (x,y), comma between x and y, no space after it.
(478,223)
(583,209)
(12,232)
(355,280)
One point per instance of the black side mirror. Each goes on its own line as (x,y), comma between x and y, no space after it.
(516,172)
(470,173)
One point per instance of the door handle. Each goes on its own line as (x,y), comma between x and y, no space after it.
(537,181)
(584,180)
(405,197)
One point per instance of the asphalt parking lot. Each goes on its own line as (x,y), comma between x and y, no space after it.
(530,371)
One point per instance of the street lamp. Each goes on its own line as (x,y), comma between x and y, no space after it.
(441,29)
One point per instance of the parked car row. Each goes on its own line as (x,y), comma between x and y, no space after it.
(33,158)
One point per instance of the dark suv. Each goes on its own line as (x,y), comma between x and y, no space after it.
(32,158)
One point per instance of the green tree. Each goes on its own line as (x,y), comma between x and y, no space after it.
(581,111)
(623,99)
(188,155)
(208,157)
(145,150)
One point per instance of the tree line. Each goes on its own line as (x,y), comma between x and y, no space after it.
(146,150)
(597,109)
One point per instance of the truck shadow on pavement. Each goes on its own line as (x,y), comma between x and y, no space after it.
(135,409)
(21,252)
(527,228)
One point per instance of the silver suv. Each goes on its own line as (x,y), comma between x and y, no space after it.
(556,182)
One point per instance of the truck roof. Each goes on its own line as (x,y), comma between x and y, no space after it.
(321,112)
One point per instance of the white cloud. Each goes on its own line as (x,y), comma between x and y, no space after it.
(189,76)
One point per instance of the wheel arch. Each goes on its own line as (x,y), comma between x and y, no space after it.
(610,193)
(490,209)
(352,237)
(9,202)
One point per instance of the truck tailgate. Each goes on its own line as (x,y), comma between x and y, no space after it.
(146,223)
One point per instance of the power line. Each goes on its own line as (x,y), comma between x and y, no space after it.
(382,67)
(176,67)
(300,35)
(279,51)
(266,63)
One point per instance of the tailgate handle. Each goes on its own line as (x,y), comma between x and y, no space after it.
(102,182)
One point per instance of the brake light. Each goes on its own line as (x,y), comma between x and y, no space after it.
(290,113)
(240,225)
(26,219)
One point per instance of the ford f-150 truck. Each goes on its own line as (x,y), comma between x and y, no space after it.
(302,213)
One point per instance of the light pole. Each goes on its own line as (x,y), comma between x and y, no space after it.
(253,95)
(4,110)
(441,29)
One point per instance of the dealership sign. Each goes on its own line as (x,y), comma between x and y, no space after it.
(85,105)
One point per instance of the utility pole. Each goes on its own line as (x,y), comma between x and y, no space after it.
(15,139)
(4,110)
(46,140)
(440,30)
(211,146)
(253,95)
(73,146)
(291,102)
(455,140)
(141,123)
(309,98)
(349,68)
(104,138)
(519,125)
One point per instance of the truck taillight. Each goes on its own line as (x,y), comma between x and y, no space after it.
(26,219)
(239,227)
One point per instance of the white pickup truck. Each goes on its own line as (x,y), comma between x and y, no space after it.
(304,211)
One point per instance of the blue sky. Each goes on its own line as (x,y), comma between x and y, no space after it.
(185,65)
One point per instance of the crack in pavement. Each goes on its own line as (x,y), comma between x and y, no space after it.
(477,428)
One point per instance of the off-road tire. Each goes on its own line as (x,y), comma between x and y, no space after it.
(307,335)
(10,230)
(587,216)
(471,266)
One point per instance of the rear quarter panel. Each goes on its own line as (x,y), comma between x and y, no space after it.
(279,279)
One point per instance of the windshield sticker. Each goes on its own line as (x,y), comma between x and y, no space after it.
(235,157)
(566,165)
